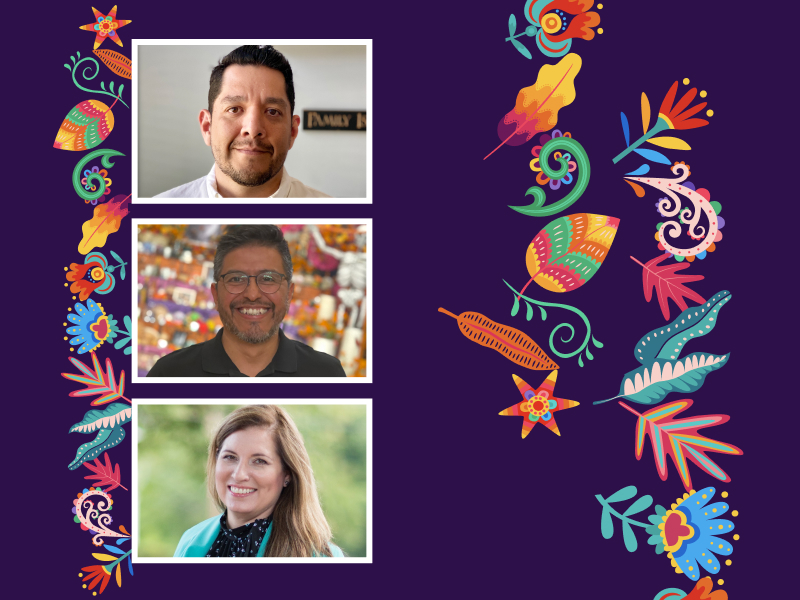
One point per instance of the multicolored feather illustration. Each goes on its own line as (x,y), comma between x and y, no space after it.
(86,126)
(510,342)
(537,105)
(121,65)
(679,439)
(97,383)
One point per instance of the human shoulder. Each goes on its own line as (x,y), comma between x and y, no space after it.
(199,532)
(186,362)
(316,364)
(297,189)
(193,189)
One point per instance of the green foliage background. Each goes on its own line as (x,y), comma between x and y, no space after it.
(172,454)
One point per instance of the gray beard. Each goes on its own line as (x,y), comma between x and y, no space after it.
(249,178)
(251,336)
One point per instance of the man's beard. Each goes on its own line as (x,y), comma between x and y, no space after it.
(253,334)
(248,177)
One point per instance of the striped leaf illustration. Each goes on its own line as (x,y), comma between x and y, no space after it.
(510,342)
(121,65)
(98,383)
(679,438)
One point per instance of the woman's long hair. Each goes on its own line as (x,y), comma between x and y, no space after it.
(299,527)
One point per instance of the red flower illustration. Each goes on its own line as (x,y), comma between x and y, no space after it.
(97,574)
(673,115)
(86,278)
(560,22)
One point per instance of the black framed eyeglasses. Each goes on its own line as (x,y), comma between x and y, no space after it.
(267,281)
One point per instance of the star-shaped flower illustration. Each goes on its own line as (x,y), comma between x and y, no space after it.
(105,26)
(538,405)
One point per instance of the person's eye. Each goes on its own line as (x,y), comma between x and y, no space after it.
(229,457)
(234,110)
(261,461)
(266,277)
(273,112)
(235,278)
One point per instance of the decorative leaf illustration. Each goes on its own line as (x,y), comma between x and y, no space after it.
(670,142)
(98,382)
(85,126)
(512,25)
(106,220)
(650,384)
(664,370)
(108,424)
(690,324)
(569,250)
(607,523)
(121,65)
(522,49)
(512,343)
(105,474)
(679,439)
(645,113)
(667,283)
(653,156)
(537,106)
(625,129)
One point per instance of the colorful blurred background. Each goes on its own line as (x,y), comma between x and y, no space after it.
(328,310)
(171,477)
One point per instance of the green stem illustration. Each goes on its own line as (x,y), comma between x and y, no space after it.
(660,126)
(583,346)
(607,507)
(92,76)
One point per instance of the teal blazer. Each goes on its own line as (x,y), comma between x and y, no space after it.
(197,541)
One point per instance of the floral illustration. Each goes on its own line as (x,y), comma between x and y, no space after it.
(92,327)
(94,275)
(105,27)
(538,405)
(89,186)
(535,165)
(555,23)
(689,531)
(701,591)
(671,115)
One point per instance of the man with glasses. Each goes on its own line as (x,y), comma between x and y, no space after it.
(252,290)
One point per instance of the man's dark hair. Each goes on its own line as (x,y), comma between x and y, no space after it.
(238,236)
(264,56)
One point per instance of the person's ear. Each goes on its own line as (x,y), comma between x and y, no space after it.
(291,291)
(295,130)
(205,125)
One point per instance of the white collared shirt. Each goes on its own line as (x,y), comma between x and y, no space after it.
(206,187)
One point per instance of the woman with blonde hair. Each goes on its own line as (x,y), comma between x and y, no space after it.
(260,476)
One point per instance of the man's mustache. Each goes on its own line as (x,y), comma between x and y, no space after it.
(257,146)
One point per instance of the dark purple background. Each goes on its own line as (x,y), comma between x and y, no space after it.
(462,506)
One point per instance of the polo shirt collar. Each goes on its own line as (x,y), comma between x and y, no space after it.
(216,361)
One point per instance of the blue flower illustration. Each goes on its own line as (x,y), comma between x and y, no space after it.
(690,531)
(91,326)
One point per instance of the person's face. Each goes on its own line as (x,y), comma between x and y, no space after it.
(252,127)
(249,475)
(253,316)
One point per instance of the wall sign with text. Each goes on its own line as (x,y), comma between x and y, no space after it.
(349,120)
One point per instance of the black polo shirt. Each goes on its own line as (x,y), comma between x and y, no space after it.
(209,359)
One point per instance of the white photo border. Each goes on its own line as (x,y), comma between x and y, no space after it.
(136,378)
(135,199)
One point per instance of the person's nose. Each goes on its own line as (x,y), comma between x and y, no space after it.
(254,124)
(242,472)
(252,291)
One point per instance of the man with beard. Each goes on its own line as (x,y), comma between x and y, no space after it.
(251,126)
(252,291)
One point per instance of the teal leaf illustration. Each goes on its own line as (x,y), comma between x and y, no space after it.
(651,383)
(529,311)
(512,25)
(694,322)
(596,343)
(522,49)
(607,525)
(629,537)
(515,308)
(116,256)
(625,129)
(544,313)
(108,424)
(606,521)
